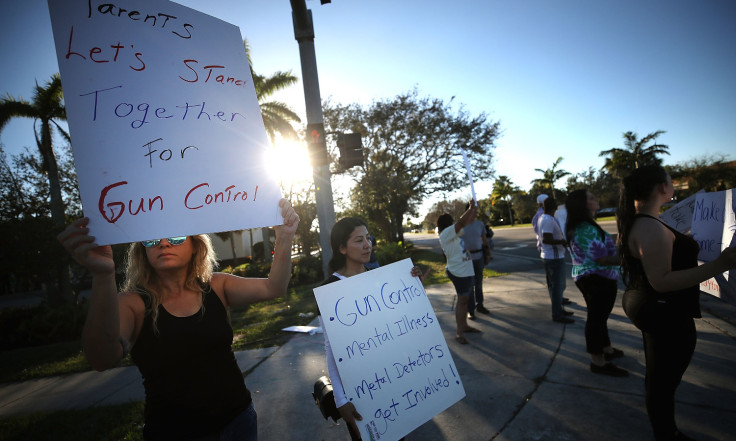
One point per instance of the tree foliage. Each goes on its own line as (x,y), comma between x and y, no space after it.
(711,173)
(602,184)
(550,177)
(454,208)
(46,109)
(413,150)
(503,190)
(620,162)
(277,116)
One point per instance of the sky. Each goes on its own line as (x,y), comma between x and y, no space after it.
(565,78)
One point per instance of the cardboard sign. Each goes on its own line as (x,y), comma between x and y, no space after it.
(714,228)
(166,130)
(389,349)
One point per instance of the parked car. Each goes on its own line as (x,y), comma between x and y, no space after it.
(605,212)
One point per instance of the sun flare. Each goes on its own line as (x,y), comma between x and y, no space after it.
(289,161)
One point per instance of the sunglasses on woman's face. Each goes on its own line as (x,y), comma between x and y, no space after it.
(172,240)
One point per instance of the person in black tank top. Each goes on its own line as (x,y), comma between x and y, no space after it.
(172,316)
(661,272)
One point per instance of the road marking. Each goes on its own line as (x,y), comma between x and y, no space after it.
(515,247)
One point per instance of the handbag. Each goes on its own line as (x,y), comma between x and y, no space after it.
(324,398)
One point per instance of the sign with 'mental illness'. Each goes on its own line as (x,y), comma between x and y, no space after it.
(167,134)
(389,349)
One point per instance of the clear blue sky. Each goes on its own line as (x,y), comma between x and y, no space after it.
(564,77)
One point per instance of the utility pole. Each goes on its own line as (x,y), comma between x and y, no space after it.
(304,34)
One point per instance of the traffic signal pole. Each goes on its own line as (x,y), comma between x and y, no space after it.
(304,34)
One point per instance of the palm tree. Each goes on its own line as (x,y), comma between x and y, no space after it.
(502,191)
(635,155)
(277,116)
(550,176)
(46,108)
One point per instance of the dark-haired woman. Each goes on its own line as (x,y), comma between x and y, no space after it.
(595,272)
(351,251)
(660,269)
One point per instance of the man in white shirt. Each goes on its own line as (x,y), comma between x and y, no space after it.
(551,243)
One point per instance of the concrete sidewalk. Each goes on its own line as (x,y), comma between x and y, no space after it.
(525,377)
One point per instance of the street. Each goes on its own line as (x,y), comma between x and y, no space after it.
(514,250)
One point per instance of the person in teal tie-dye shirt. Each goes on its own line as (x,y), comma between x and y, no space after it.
(595,272)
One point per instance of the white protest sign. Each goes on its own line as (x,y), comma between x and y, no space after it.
(680,216)
(166,130)
(470,174)
(393,360)
(714,228)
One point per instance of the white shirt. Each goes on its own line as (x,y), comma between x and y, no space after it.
(548,224)
(459,261)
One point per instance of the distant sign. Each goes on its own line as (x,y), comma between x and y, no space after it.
(167,134)
(393,360)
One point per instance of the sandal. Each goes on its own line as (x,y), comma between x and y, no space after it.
(460,339)
(471,330)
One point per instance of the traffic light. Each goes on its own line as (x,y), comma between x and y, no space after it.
(351,149)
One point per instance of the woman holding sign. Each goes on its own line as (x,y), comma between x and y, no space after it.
(459,265)
(351,251)
(660,269)
(173,318)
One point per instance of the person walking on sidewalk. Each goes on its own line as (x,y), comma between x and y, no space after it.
(661,272)
(351,251)
(173,318)
(595,272)
(551,243)
(459,266)
(477,244)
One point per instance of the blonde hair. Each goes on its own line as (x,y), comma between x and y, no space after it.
(141,278)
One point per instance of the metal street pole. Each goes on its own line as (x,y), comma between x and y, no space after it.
(304,34)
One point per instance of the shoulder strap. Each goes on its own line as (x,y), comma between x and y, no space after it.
(658,220)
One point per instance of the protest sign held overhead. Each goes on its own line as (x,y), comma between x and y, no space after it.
(389,349)
(167,134)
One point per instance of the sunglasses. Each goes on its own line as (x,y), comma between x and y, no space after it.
(172,240)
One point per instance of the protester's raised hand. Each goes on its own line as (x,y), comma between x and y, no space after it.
(82,247)
(291,220)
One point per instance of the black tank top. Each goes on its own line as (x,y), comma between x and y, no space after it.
(192,381)
(684,255)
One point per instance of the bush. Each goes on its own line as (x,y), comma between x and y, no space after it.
(306,270)
(252,269)
(23,327)
(392,252)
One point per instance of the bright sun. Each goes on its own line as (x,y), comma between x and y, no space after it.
(289,161)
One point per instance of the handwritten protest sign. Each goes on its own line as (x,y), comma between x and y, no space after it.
(166,131)
(680,216)
(714,228)
(389,349)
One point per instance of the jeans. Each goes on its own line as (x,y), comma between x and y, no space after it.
(477,297)
(243,427)
(600,296)
(555,272)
